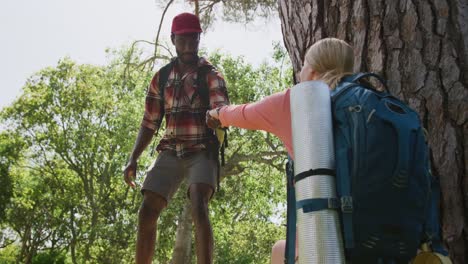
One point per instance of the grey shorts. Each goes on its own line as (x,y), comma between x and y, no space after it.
(168,171)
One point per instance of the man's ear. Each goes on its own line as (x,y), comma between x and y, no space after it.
(173,38)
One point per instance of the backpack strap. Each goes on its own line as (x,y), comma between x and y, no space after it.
(164,76)
(348,82)
(313,172)
(357,77)
(317,204)
(432,226)
(204,92)
(290,251)
(202,85)
(162,82)
(346,200)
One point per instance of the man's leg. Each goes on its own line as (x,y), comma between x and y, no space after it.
(200,194)
(148,215)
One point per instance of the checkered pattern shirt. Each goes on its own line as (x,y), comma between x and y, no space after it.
(186,129)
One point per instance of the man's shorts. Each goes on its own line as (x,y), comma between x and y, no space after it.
(168,171)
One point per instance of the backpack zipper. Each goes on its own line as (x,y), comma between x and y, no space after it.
(354,110)
(370,116)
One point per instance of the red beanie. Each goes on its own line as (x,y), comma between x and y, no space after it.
(186,23)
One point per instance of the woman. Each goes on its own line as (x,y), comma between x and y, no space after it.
(328,60)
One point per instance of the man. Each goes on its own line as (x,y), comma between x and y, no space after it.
(188,148)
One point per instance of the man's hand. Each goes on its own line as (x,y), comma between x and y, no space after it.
(212,119)
(130,173)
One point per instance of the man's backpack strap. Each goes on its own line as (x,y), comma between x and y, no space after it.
(202,85)
(204,92)
(162,82)
(164,76)
(290,251)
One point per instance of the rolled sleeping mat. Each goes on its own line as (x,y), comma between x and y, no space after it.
(318,228)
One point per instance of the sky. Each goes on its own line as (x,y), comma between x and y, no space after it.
(36,34)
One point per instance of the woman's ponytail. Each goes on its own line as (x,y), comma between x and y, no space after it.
(332,59)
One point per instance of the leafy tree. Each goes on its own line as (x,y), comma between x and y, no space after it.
(71,132)
(75,120)
(10,147)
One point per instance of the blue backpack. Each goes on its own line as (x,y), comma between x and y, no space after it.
(387,197)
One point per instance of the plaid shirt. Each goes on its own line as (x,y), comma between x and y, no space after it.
(186,130)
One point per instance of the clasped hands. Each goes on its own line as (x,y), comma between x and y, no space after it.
(212,118)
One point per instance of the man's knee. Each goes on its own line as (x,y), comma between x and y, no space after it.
(152,206)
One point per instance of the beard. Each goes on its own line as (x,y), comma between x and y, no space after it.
(188,57)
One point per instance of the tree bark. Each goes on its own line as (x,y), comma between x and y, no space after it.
(182,253)
(421,48)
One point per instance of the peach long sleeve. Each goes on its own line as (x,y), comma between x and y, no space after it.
(271,114)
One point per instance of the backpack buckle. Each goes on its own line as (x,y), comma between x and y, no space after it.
(347,204)
(333,203)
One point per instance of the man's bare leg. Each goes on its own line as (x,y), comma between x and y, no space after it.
(200,194)
(148,215)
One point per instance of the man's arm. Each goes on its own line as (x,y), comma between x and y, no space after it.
(154,112)
(218,95)
(143,140)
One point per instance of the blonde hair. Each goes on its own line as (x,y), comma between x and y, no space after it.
(332,59)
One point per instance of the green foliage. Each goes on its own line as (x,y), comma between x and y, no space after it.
(245,212)
(77,121)
(244,228)
(49,257)
(68,136)
(8,254)
(10,147)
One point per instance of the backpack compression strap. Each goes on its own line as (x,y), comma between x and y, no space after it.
(313,172)
(290,250)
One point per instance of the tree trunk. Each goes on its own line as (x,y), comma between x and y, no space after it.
(421,47)
(182,253)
